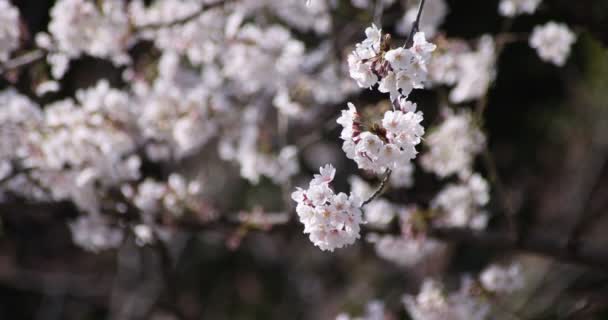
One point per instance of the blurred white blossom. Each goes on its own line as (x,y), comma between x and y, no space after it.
(9,29)
(82,27)
(476,71)
(93,233)
(460,205)
(434,303)
(453,145)
(379,213)
(502,279)
(398,71)
(511,8)
(552,42)
(404,250)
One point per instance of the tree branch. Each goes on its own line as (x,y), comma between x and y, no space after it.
(415,26)
(380,188)
(588,216)
(532,243)
(183,20)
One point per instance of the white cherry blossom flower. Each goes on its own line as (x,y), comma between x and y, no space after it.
(502,279)
(331,220)
(434,303)
(453,145)
(552,42)
(400,58)
(378,153)
(460,205)
(512,8)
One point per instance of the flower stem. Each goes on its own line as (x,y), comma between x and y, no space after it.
(380,188)
(415,25)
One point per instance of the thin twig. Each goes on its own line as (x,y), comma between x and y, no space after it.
(22,60)
(183,20)
(415,26)
(380,188)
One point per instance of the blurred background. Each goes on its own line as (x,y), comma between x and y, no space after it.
(547,129)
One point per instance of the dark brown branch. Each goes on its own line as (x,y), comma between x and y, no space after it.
(532,243)
(415,26)
(185,19)
(588,215)
(498,240)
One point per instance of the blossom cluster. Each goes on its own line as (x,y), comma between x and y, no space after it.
(94,232)
(18,116)
(241,145)
(80,27)
(461,205)
(74,148)
(502,279)
(470,301)
(184,106)
(397,71)
(331,220)
(434,303)
(204,90)
(453,145)
(388,145)
(391,144)
(173,196)
(469,71)
(405,250)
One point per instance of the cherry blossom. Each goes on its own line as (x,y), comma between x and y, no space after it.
(511,8)
(331,220)
(552,42)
